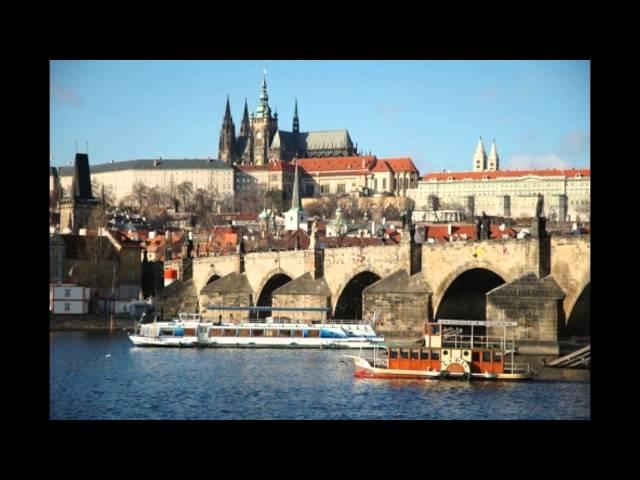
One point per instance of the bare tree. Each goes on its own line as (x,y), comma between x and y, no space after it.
(185,189)
(140,192)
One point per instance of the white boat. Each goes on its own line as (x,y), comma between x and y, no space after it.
(190,331)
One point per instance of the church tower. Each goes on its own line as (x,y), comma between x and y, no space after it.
(263,128)
(493,162)
(227,144)
(480,158)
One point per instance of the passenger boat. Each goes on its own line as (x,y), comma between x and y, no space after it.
(449,353)
(189,331)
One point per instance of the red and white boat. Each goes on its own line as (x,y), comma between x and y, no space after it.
(449,351)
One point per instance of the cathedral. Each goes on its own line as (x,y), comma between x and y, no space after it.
(261,142)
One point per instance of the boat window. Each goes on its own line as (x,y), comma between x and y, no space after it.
(486,356)
(166,331)
(215,332)
(404,353)
(284,333)
(435,355)
(445,352)
(257,333)
(229,332)
(313,333)
(465,353)
(298,333)
(497,357)
(435,329)
(243,332)
(394,353)
(424,354)
(414,354)
(475,356)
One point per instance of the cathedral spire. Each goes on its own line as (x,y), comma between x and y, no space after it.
(296,121)
(480,158)
(493,162)
(227,111)
(227,143)
(263,109)
(244,126)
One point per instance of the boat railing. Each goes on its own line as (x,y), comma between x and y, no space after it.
(476,341)
(510,367)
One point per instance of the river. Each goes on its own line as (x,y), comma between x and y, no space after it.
(103,376)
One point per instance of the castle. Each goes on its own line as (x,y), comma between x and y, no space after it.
(261,142)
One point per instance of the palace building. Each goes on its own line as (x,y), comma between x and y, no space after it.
(455,196)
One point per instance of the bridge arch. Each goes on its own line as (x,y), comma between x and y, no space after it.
(578,318)
(273,280)
(348,304)
(469,283)
(210,279)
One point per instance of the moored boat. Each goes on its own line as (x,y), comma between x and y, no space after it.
(190,331)
(449,353)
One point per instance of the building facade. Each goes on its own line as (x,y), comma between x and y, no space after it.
(260,141)
(119,177)
(451,196)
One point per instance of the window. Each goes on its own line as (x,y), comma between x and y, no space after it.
(497,357)
(131,256)
(475,356)
(435,355)
(404,353)
(414,354)
(486,357)
(394,354)
(424,354)
(375,184)
(131,274)
(384,184)
(340,188)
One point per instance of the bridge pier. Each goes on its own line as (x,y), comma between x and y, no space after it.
(536,304)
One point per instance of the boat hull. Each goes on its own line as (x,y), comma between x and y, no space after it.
(363,369)
(249,342)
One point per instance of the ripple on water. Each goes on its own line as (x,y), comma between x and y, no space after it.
(145,383)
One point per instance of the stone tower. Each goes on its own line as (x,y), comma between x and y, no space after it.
(227,144)
(493,163)
(480,158)
(77,207)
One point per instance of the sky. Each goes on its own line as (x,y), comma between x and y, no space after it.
(432,111)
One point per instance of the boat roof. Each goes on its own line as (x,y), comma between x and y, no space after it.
(481,323)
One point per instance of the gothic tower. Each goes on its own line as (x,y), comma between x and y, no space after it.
(263,128)
(480,158)
(227,145)
(493,162)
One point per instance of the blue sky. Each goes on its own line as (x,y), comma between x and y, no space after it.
(433,111)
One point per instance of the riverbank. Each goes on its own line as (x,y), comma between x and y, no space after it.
(91,322)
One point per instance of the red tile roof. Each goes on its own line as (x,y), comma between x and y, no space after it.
(508,173)
(381,166)
(336,164)
(404,164)
(441,232)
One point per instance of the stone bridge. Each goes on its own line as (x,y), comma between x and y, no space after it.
(538,282)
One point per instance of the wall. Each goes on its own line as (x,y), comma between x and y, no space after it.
(398,315)
(294,300)
(571,266)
